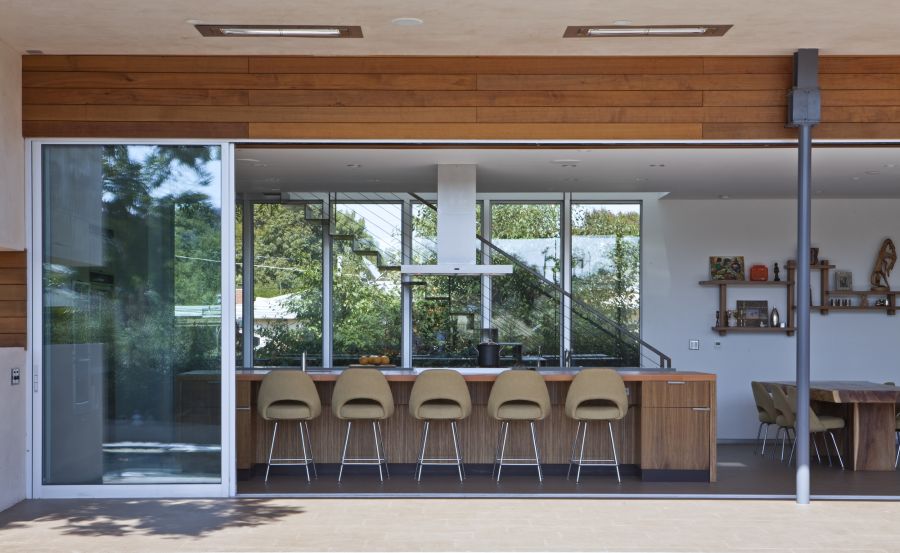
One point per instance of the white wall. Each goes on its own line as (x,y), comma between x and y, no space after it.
(12,236)
(678,238)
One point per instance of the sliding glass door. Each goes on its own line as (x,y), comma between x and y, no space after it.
(131,307)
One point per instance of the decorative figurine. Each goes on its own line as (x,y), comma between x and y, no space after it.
(776,271)
(884,263)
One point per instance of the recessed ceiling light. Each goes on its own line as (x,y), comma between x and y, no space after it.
(855,178)
(723,196)
(34,52)
(873,172)
(281,31)
(657,165)
(639,179)
(407,21)
(354,165)
(889,165)
(614,31)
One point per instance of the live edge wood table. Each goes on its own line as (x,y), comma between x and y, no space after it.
(869,410)
(669,433)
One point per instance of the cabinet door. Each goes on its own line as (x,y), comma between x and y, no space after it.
(243,421)
(675,438)
(675,393)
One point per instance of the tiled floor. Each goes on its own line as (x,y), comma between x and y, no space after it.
(741,473)
(282,525)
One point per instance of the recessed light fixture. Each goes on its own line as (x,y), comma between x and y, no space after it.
(354,165)
(724,196)
(614,31)
(407,21)
(281,31)
(34,52)
(873,172)
(890,165)
(639,179)
(855,178)
(657,165)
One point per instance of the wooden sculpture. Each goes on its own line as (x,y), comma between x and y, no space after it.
(884,263)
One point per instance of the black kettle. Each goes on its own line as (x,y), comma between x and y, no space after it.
(489,354)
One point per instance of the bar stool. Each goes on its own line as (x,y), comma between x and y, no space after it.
(765,411)
(518,396)
(595,395)
(289,395)
(440,395)
(363,395)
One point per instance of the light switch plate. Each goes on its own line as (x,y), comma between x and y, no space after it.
(694,344)
(14,376)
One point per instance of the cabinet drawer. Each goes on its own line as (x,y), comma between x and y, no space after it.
(243,395)
(675,439)
(675,393)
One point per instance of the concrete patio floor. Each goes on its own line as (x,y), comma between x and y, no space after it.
(282,525)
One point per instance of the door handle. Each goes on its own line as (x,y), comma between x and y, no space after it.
(676,382)
(700,408)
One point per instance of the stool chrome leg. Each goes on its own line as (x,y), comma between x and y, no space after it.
(759,431)
(458,441)
(384,456)
(581,456)
(309,442)
(505,426)
(422,456)
(897,460)
(377,450)
(816,446)
(271,451)
(456,449)
(765,437)
(497,449)
(537,454)
(305,456)
(574,446)
(344,452)
(612,440)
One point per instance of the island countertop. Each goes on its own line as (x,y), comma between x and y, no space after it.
(481,374)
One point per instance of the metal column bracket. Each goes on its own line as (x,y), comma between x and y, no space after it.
(804,99)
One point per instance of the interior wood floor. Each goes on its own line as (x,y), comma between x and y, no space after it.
(742,472)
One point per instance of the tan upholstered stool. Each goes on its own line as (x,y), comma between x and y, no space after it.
(595,395)
(289,395)
(363,395)
(518,396)
(765,411)
(440,395)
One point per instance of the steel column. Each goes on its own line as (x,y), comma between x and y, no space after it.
(804,108)
(406,245)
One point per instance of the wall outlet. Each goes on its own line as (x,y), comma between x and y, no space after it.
(14,377)
(693,344)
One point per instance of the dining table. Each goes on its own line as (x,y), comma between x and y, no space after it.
(870,413)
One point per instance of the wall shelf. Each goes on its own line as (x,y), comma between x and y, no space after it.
(825,294)
(723,285)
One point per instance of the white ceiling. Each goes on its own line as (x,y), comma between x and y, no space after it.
(458,27)
(838,172)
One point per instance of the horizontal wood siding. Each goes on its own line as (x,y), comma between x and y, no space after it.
(296,97)
(13,299)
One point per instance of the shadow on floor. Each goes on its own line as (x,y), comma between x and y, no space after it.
(161,517)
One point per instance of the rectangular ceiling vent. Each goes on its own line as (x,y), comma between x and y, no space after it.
(618,31)
(281,31)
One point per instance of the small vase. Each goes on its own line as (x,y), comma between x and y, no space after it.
(774,318)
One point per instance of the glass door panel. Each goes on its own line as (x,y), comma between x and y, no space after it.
(132,314)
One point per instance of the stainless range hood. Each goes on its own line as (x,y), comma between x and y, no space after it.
(455,234)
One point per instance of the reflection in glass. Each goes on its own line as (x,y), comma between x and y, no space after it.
(606,276)
(131,314)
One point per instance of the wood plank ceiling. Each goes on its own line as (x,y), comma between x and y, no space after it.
(730,98)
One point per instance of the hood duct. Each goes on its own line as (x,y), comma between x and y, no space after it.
(455,227)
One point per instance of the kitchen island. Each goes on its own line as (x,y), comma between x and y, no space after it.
(669,433)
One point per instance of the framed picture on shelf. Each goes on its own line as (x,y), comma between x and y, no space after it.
(726,267)
(843,280)
(753,313)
